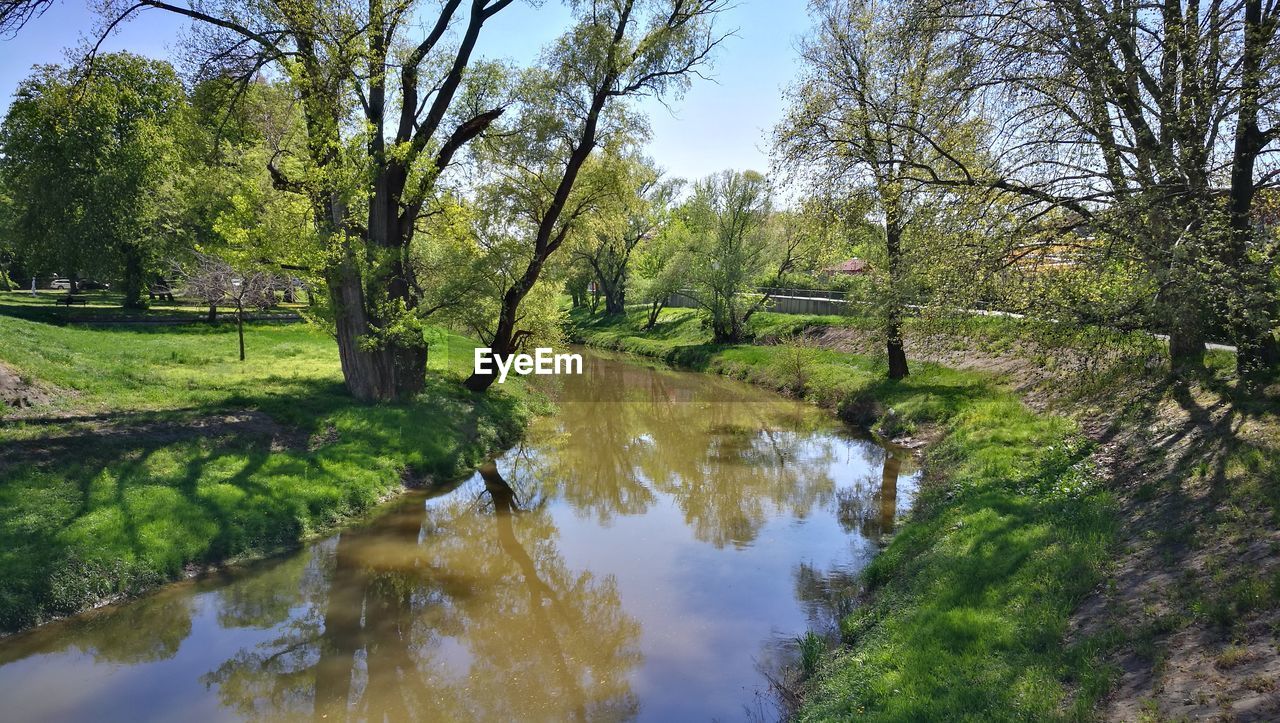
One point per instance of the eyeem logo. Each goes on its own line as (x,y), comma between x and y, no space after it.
(543,361)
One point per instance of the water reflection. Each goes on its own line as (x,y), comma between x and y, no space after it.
(730,457)
(634,558)
(869,506)
(462,610)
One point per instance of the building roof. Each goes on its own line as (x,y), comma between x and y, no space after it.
(850,266)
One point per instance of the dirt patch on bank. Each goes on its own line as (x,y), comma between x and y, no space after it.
(1195,592)
(15,393)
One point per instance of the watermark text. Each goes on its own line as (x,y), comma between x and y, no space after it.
(543,361)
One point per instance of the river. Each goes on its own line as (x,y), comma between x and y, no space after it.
(651,551)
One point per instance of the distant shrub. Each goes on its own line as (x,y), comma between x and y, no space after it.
(793,365)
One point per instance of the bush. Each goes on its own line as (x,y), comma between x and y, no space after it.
(860,409)
(793,366)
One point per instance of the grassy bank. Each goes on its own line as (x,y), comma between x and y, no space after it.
(153,450)
(968,608)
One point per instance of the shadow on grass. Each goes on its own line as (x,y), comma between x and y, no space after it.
(106,308)
(102,505)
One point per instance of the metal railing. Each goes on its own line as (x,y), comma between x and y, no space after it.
(803,293)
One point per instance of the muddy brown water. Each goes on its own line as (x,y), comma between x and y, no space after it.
(651,551)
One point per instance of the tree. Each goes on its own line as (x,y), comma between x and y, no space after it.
(733,245)
(607,248)
(662,265)
(16,13)
(873,74)
(1150,124)
(87,159)
(215,281)
(8,239)
(616,50)
(578,284)
(229,206)
(1255,312)
(387,102)
(476,255)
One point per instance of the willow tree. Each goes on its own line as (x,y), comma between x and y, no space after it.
(731,246)
(388,97)
(639,211)
(874,74)
(576,101)
(662,267)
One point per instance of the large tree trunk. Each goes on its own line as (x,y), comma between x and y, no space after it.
(893,321)
(615,300)
(1254,309)
(612,284)
(504,340)
(1186,332)
(133,277)
(393,368)
(392,372)
(897,355)
(363,379)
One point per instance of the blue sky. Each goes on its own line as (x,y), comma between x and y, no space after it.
(719,124)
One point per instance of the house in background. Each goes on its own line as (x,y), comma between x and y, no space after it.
(850,267)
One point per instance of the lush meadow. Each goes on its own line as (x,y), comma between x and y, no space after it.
(157,452)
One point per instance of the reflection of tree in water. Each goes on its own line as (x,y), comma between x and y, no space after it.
(155,626)
(869,507)
(150,629)
(254,601)
(730,458)
(591,462)
(375,644)
(827,596)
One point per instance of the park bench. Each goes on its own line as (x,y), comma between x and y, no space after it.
(68,300)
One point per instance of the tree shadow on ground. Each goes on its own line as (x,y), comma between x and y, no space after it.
(1196,467)
(96,506)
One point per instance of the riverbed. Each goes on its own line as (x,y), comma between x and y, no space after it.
(651,551)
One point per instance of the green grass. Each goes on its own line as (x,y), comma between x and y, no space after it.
(160,450)
(104,306)
(971,600)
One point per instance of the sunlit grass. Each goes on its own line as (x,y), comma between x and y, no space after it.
(161,451)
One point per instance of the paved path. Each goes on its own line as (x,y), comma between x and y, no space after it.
(982,312)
